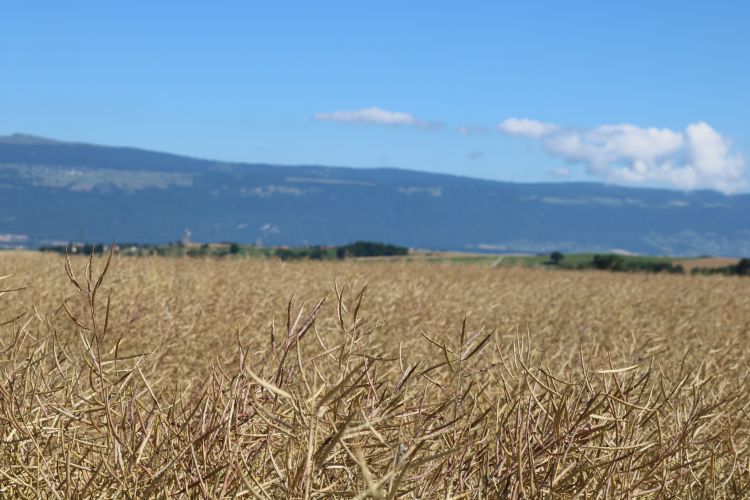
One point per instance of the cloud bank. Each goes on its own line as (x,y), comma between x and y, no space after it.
(698,157)
(375,115)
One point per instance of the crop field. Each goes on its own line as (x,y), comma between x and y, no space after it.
(203,377)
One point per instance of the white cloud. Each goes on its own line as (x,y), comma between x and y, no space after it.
(523,127)
(697,158)
(375,115)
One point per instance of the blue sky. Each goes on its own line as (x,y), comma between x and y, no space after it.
(640,93)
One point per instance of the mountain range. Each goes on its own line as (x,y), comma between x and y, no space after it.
(53,192)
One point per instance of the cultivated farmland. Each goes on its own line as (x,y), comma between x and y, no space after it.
(227,377)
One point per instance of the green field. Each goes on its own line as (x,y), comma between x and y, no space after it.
(570,261)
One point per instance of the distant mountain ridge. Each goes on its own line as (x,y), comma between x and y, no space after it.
(26,139)
(53,191)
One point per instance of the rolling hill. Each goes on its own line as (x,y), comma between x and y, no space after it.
(53,191)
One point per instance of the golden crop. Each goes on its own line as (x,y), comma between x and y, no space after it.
(221,378)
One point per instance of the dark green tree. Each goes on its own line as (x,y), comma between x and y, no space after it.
(556,258)
(369,249)
(743,267)
(609,262)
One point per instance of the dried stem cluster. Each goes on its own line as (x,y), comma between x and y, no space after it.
(568,384)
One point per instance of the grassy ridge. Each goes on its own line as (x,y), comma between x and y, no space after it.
(200,377)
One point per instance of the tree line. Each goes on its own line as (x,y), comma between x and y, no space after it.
(316,252)
(619,263)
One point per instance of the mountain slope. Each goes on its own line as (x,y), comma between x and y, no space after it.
(56,191)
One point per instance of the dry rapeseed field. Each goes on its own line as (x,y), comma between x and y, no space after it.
(264,379)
